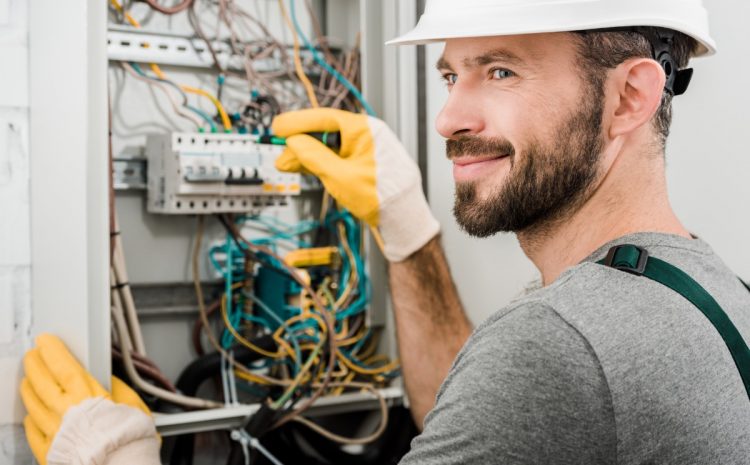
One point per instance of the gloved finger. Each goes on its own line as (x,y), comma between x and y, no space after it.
(38,442)
(308,120)
(68,373)
(96,389)
(314,156)
(123,394)
(288,162)
(43,383)
(44,419)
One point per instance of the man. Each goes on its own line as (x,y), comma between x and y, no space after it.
(556,124)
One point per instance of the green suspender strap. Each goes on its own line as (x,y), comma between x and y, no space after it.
(635,260)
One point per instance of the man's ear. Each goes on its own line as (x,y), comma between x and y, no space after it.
(639,83)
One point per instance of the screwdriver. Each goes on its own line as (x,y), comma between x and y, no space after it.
(332,140)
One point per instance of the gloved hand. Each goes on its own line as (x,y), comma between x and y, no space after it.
(72,419)
(372,176)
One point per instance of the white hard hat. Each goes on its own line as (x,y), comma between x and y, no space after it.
(451,19)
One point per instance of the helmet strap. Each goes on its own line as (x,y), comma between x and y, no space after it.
(662,41)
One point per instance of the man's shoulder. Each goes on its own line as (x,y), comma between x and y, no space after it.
(530,321)
(578,286)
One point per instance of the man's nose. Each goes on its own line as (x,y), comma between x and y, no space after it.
(461,114)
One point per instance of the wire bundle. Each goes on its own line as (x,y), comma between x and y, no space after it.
(329,79)
(320,348)
(343,289)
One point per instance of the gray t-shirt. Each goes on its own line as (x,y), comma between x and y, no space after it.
(600,367)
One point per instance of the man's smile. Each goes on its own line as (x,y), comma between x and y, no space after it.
(470,168)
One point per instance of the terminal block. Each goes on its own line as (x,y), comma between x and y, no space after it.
(190,173)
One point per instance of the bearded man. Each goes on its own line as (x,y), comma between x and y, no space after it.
(558,137)
(632,351)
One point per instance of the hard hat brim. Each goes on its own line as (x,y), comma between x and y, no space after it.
(426,31)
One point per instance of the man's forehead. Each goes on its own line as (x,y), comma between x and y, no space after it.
(515,50)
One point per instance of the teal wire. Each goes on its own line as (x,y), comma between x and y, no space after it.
(272,314)
(203,115)
(227,336)
(321,61)
(259,320)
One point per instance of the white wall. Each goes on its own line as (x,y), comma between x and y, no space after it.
(708,162)
(15,256)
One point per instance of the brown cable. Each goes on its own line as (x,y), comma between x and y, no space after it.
(169,10)
(193,19)
(146,370)
(198,325)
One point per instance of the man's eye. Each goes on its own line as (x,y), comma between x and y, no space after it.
(501,73)
(450,78)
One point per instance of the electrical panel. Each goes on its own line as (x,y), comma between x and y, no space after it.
(246,301)
(190,173)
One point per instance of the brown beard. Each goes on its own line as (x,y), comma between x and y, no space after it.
(544,185)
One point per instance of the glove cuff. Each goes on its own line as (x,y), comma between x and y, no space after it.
(97,428)
(407,224)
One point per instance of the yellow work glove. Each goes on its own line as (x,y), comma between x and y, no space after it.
(64,401)
(372,176)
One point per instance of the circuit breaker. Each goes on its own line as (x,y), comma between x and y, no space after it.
(191,173)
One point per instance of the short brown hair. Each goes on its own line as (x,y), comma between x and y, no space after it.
(603,50)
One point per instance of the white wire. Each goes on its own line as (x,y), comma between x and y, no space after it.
(123,289)
(122,330)
(257,445)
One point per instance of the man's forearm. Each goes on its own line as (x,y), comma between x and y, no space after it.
(430,322)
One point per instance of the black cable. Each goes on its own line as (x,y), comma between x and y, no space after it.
(295,444)
(198,372)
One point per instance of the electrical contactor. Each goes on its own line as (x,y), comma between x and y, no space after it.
(191,173)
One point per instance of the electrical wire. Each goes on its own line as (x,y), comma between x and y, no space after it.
(342,439)
(252,248)
(242,340)
(158,84)
(175,86)
(198,326)
(297,60)
(281,401)
(169,10)
(324,65)
(122,332)
(194,90)
(195,23)
(243,371)
(378,239)
(122,287)
(367,371)
(146,369)
(157,70)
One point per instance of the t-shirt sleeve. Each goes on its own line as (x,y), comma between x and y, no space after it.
(526,388)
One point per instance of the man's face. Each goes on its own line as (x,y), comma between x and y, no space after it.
(523,130)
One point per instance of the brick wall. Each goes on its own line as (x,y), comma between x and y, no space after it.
(15,256)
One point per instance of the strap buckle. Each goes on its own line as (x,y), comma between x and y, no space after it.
(628,258)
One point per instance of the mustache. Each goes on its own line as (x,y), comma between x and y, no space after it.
(467,146)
